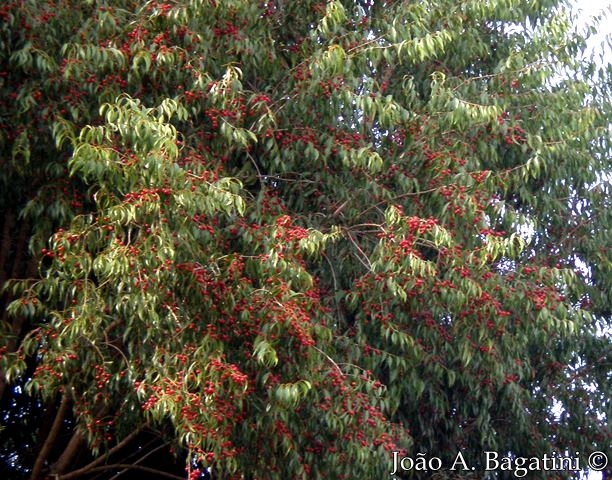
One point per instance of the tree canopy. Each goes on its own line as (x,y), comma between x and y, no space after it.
(287,239)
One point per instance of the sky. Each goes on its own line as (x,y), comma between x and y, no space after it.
(593,7)
(588,8)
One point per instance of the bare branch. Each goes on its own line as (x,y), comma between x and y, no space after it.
(153,471)
(92,466)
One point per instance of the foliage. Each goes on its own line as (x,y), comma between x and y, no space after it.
(290,238)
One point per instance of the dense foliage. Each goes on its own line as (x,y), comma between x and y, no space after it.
(285,239)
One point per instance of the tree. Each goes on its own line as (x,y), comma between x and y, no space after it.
(287,239)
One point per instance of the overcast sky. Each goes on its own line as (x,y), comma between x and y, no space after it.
(593,6)
(588,8)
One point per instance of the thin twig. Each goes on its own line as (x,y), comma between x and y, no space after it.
(329,358)
(365,263)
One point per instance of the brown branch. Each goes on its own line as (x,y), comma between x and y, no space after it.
(140,460)
(5,245)
(51,438)
(21,244)
(73,447)
(18,259)
(90,467)
(127,466)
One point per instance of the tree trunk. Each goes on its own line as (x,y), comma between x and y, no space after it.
(51,438)
(68,455)
(13,266)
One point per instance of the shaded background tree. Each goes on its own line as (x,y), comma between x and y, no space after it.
(284,239)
